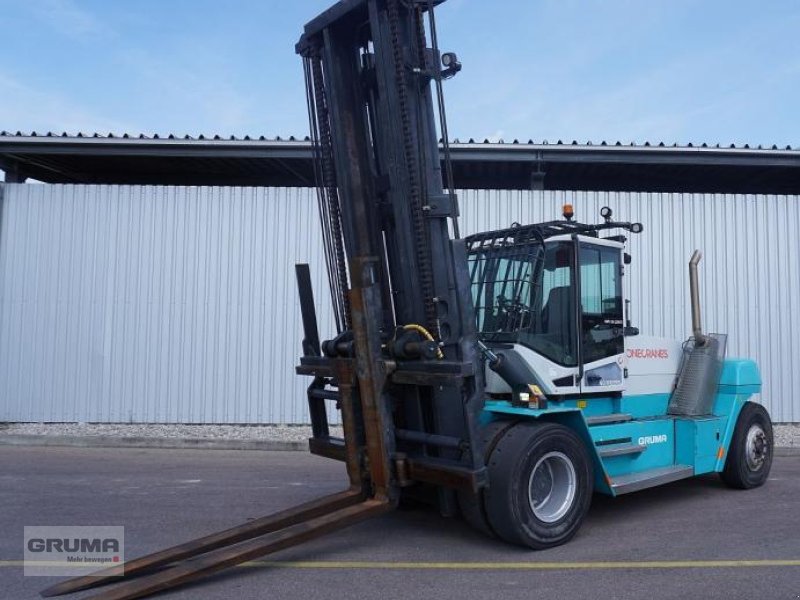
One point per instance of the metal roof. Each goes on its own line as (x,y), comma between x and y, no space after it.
(261,161)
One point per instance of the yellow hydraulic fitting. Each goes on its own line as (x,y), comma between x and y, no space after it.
(426,334)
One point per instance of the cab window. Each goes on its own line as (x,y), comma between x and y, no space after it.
(601,302)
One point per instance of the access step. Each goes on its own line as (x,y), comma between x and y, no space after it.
(621,450)
(606,419)
(624,484)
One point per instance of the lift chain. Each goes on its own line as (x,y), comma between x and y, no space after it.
(329,182)
(419,223)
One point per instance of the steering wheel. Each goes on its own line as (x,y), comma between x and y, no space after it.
(513,314)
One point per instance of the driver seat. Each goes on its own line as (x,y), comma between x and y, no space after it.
(558,316)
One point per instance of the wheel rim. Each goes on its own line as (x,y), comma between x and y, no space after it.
(756,448)
(552,487)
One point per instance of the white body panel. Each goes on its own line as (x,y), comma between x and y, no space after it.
(653,363)
(548,371)
(545,369)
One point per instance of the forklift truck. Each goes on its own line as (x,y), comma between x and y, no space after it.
(494,375)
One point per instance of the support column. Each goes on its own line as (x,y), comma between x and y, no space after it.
(14,173)
(537,174)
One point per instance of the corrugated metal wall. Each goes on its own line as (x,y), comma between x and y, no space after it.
(164,304)
(154,304)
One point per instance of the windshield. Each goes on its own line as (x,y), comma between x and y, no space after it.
(524,294)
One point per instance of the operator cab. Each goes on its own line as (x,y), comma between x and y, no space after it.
(552,293)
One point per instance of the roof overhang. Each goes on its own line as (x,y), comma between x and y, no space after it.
(275,162)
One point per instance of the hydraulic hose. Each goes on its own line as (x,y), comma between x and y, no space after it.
(426,334)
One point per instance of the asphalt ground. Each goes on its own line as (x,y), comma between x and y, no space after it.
(691,539)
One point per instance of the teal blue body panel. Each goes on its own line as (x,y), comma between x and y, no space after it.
(740,376)
(697,442)
(664,440)
(639,407)
(655,434)
(740,379)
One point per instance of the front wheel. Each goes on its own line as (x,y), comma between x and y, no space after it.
(540,485)
(750,454)
(472,504)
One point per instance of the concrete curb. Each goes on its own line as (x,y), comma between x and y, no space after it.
(102,441)
(105,441)
(787,451)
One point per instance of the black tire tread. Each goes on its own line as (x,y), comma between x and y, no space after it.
(472,504)
(736,473)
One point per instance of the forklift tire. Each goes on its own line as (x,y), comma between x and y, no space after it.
(540,485)
(750,454)
(472,504)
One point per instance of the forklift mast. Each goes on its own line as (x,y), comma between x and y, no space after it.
(400,284)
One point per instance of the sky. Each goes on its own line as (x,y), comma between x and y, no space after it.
(677,71)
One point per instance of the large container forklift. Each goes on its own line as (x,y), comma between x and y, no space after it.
(496,375)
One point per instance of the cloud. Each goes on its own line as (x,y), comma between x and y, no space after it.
(22,106)
(191,98)
(686,98)
(148,91)
(67,18)
(590,71)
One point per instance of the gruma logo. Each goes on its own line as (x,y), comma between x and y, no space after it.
(646,440)
(74,545)
(71,550)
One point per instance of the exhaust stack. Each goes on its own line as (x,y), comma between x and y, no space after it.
(694,293)
(701,367)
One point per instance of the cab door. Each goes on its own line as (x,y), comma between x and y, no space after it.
(602,316)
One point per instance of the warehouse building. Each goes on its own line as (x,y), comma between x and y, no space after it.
(151,279)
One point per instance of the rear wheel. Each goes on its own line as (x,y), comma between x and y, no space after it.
(750,454)
(540,485)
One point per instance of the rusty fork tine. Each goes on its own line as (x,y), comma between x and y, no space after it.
(245,551)
(214,541)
